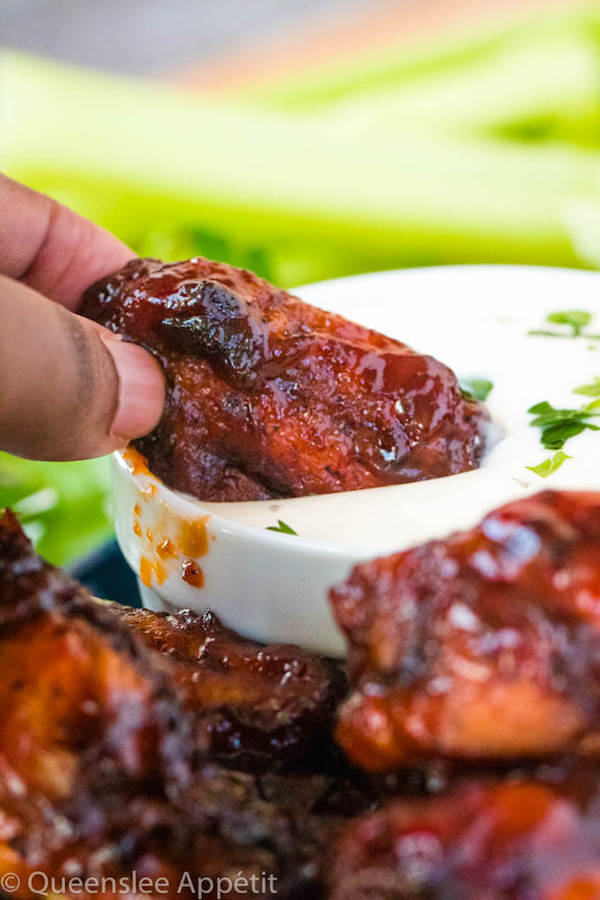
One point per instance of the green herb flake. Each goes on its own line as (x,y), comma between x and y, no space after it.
(546,468)
(476,388)
(589,390)
(282,528)
(574,319)
(577,319)
(559,425)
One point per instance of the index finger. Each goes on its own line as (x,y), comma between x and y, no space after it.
(52,249)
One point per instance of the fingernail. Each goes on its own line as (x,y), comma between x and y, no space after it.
(141,390)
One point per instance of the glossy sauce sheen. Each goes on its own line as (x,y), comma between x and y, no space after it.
(482,646)
(270,397)
(527,840)
(260,707)
(113,722)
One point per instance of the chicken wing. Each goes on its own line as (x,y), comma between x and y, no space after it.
(100,774)
(518,840)
(255,707)
(270,397)
(482,646)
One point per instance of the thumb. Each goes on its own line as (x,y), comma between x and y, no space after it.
(69,389)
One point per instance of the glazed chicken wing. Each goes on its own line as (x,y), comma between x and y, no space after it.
(270,397)
(482,646)
(75,687)
(521,840)
(89,730)
(254,706)
(100,773)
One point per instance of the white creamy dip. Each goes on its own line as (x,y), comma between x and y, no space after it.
(476,320)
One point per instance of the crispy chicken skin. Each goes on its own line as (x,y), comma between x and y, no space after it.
(270,397)
(75,686)
(100,774)
(255,707)
(482,646)
(521,840)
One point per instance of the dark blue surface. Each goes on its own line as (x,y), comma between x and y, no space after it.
(106,574)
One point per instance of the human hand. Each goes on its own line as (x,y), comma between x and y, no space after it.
(69,389)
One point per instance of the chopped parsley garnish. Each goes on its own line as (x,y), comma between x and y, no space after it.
(476,388)
(282,527)
(546,468)
(558,425)
(589,390)
(577,319)
(574,320)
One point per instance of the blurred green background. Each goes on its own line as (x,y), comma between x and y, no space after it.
(480,144)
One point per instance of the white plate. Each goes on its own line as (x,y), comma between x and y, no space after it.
(476,319)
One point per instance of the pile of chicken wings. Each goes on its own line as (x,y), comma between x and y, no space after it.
(454,756)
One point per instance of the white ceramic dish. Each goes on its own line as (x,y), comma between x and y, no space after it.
(273,586)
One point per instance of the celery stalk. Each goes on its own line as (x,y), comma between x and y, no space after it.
(136,154)
(534,89)
(406,63)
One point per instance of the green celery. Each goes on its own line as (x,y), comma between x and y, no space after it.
(128,153)
(63,506)
(407,62)
(534,89)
